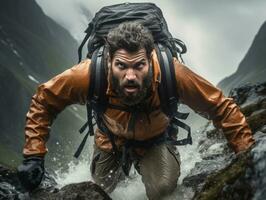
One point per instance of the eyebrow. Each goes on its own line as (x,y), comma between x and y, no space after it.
(118,60)
(123,61)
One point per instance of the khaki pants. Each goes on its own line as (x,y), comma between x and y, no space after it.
(159,168)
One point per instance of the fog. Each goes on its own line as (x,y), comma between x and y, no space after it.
(217,33)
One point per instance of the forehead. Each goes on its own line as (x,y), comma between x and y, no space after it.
(124,55)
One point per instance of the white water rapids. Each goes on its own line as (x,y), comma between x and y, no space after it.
(132,188)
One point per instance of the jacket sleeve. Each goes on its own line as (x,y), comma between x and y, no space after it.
(69,87)
(209,101)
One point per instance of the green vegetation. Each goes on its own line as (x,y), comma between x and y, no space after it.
(216,183)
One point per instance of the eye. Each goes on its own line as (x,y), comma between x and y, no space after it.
(120,65)
(140,65)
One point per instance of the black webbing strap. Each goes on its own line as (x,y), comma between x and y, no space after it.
(167,88)
(81,146)
(162,87)
(157,140)
(81,47)
(180,115)
(180,47)
(168,94)
(95,86)
(98,97)
(98,93)
(167,72)
(90,132)
(87,36)
(90,95)
(83,128)
(125,160)
(178,123)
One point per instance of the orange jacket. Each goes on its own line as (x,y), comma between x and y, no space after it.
(71,87)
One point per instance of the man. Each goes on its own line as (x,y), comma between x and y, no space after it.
(133,79)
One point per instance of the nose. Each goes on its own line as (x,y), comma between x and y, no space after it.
(130,74)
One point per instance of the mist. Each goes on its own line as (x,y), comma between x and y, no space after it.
(217,33)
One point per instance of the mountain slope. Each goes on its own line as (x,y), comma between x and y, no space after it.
(252,68)
(33,48)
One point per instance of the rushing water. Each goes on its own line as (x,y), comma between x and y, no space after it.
(132,187)
(257,174)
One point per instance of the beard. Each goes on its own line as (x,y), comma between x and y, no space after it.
(133,99)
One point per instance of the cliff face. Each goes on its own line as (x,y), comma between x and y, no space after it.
(33,48)
(223,175)
(252,68)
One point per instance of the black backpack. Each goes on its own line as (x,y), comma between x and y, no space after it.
(166,47)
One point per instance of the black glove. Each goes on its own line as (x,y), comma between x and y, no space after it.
(31,172)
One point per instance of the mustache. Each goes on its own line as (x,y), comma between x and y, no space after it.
(130,84)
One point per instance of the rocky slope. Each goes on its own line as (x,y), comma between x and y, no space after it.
(252,68)
(10,189)
(33,48)
(224,175)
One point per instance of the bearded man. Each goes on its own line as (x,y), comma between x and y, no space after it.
(133,79)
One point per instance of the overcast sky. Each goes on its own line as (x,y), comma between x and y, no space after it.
(217,33)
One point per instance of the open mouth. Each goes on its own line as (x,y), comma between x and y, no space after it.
(131,89)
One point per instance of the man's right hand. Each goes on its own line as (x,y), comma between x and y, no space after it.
(31,172)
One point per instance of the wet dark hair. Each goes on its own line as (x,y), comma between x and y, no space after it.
(131,36)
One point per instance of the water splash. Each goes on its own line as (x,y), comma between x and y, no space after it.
(189,155)
(76,173)
(132,188)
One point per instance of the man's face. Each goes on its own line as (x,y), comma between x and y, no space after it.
(131,75)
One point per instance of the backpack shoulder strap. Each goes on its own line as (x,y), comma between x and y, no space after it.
(168,93)
(97,96)
(98,84)
(97,99)
(167,88)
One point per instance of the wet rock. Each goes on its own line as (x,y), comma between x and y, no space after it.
(75,191)
(215,183)
(255,174)
(248,94)
(223,175)
(11,189)
(8,175)
(244,178)
(207,167)
(7,191)
(252,100)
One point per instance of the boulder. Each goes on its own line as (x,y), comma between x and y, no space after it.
(11,189)
(223,175)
